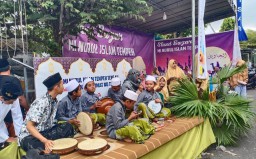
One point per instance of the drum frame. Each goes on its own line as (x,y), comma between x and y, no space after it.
(103,108)
(153,111)
(93,152)
(91,122)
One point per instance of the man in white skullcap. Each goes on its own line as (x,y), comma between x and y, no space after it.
(148,95)
(115,92)
(118,127)
(70,106)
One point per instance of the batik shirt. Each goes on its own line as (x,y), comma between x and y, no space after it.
(145,97)
(68,108)
(87,100)
(116,119)
(42,111)
(115,95)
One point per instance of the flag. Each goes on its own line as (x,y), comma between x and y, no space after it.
(241,33)
(202,66)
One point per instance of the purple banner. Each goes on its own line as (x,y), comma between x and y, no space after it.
(125,44)
(219,49)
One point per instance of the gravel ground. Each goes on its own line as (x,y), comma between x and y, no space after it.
(246,148)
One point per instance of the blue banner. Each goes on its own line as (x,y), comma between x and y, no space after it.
(241,33)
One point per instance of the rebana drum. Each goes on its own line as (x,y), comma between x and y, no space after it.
(107,103)
(155,107)
(86,123)
(92,146)
(64,146)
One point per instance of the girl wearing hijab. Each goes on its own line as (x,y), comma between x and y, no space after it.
(161,87)
(173,74)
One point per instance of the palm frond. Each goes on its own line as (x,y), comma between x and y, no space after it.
(228,71)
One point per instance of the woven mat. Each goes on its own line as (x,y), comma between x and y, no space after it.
(120,149)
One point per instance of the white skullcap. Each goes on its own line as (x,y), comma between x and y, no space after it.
(115,81)
(86,81)
(131,95)
(150,78)
(72,85)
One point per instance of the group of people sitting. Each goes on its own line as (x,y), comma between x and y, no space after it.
(49,119)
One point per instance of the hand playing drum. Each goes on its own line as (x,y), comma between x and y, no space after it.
(74,122)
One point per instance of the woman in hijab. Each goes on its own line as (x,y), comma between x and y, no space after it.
(173,74)
(239,80)
(132,81)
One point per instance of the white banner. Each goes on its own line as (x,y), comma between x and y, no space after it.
(236,49)
(101,71)
(202,66)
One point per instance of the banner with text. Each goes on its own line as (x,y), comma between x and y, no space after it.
(219,49)
(101,71)
(121,44)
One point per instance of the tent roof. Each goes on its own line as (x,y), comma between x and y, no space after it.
(179,15)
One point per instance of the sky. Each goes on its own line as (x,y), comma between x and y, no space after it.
(248,17)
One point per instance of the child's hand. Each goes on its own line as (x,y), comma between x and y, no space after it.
(98,104)
(74,122)
(133,115)
(158,100)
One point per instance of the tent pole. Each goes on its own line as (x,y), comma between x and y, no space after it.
(193,38)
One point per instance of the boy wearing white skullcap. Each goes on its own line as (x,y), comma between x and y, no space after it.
(90,101)
(70,105)
(118,127)
(115,92)
(148,95)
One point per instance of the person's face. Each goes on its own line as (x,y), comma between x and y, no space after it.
(162,82)
(78,93)
(90,87)
(10,101)
(129,104)
(59,88)
(116,88)
(174,65)
(149,85)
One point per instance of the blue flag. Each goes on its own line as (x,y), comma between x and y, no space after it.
(241,33)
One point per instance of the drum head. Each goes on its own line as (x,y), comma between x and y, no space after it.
(92,144)
(86,123)
(155,107)
(64,146)
(107,103)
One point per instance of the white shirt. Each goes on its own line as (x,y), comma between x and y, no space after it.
(16,116)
